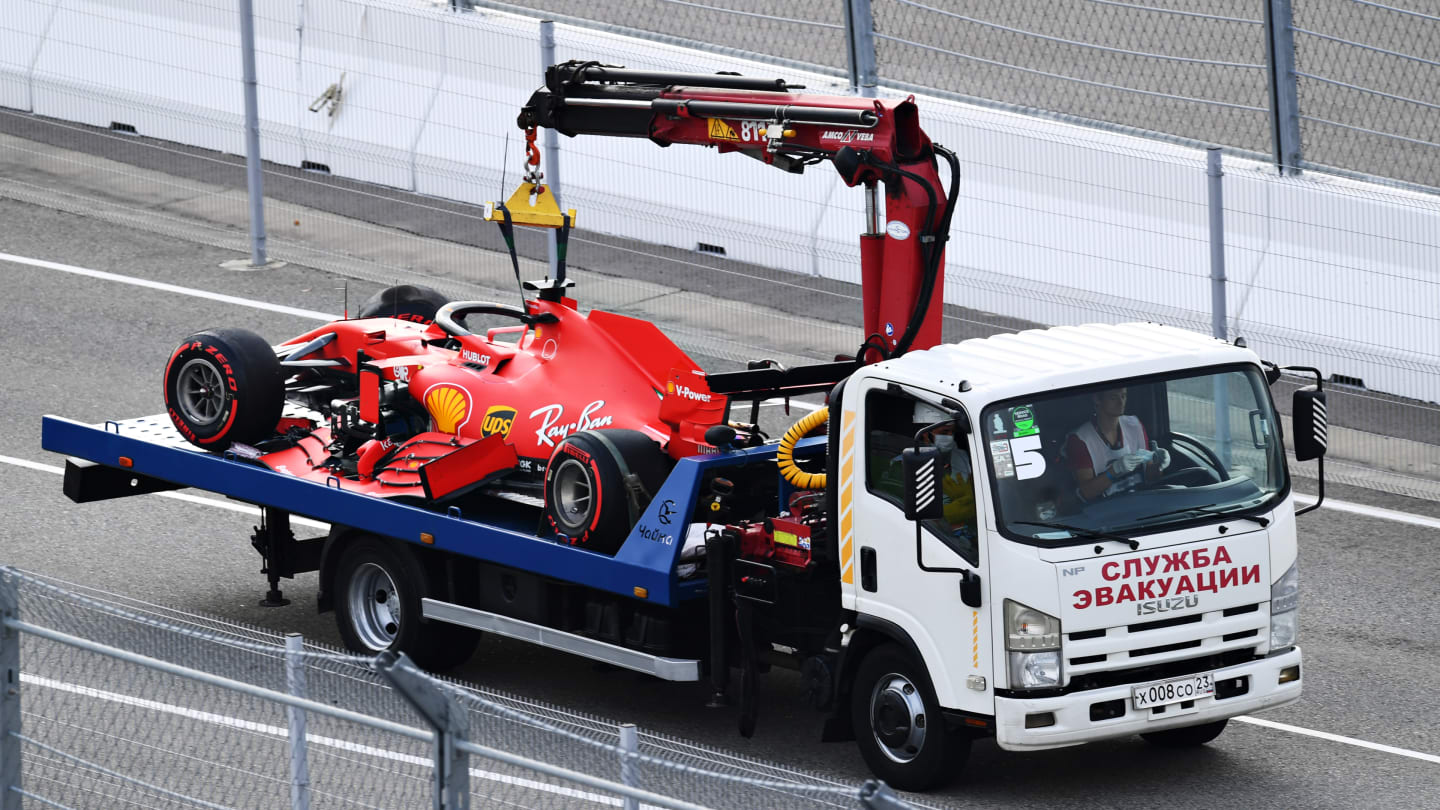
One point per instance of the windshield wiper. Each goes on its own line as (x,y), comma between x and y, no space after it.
(1089,534)
(1208,509)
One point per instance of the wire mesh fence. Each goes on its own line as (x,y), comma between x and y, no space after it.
(803,31)
(1195,69)
(1369,86)
(98,729)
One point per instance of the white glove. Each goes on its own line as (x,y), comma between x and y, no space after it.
(1162,456)
(1125,464)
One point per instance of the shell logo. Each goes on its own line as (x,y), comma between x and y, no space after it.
(449,406)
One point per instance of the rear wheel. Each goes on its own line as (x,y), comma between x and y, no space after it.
(407,302)
(1187,737)
(378,587)
(587,499)
(223,386)
(898,723)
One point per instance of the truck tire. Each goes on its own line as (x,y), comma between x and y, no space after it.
(1186,737)
(898,724)
(408,302)
(377,589)
(223,386)
(586,497)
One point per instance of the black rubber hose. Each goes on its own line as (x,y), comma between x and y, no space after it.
(937,249)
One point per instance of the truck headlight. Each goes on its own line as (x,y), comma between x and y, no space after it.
(1284,601)
(1033,641)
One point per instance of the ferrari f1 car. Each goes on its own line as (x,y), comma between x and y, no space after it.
(406,402)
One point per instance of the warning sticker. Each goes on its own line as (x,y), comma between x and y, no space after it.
(722,131)
(1003,462)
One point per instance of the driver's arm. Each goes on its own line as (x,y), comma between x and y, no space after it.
(1090,485)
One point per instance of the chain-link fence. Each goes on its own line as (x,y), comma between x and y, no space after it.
(1195,69)
(1204,71)
(124,703)
(1369,86)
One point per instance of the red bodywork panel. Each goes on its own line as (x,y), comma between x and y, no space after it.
(502,407)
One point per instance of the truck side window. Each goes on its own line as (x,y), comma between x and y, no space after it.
(890,426)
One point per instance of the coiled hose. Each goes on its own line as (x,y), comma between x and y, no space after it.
(785,457)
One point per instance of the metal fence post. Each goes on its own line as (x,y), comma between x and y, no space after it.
(1284,98)
(447,718)
(1219,312)
(253,179)
(630,744)
(299,758)
(551,144)
(1215,183)
(10,696)
(860,45)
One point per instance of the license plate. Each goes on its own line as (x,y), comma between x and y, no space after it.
(1176,690)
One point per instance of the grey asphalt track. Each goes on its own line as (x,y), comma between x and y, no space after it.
(93,350)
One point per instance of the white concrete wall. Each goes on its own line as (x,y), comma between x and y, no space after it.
(1057,223)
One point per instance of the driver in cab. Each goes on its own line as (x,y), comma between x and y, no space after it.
(1111,453)
(958,491)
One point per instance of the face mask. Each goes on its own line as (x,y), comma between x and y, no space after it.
(944,443)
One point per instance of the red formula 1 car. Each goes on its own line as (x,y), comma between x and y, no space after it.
(406,402)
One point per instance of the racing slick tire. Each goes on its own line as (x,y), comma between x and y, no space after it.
(587,499)
(898,725)
(224,386)
(377,586)
(408,302)
(1186,737)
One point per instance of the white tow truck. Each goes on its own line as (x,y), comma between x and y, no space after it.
(1052,537)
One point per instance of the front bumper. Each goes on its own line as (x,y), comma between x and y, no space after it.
(1073,725)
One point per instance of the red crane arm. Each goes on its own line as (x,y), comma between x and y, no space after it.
(870,142)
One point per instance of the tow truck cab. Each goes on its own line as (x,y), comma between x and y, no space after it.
(1164,603)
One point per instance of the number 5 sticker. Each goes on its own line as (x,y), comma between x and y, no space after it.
(1029,459)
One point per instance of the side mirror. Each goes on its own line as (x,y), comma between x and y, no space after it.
(924,468)
(1310,426)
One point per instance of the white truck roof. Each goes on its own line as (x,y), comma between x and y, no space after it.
(1020,363)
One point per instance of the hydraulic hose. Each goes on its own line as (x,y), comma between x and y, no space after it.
(785,456)
(937,248)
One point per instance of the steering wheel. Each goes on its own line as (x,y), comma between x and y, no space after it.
(1183,477)
(446,315)
(1203,450)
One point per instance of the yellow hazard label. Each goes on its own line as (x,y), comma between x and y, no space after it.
(721,131)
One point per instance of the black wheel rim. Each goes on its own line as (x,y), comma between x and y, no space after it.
(200,392)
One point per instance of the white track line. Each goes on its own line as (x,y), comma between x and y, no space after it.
(172,288)
(1325,735)
(312,739)
(174,496)
(1373,512)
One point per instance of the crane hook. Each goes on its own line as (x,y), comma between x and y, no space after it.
(532,157)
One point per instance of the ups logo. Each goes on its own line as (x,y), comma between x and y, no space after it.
(498,419)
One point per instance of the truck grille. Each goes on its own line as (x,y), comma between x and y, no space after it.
(1163,648)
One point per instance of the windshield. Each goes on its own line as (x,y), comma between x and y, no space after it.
(1133,456)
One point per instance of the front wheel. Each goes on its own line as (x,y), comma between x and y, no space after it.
(378,586)
(898,724)
(223,386)
(1187,737)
